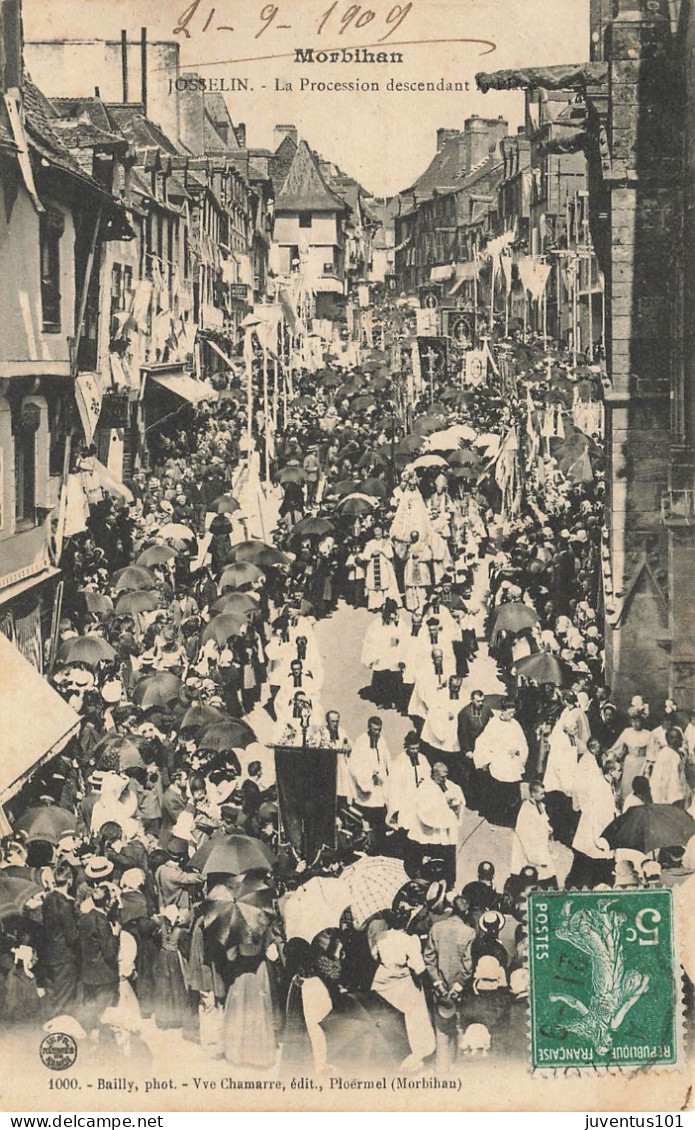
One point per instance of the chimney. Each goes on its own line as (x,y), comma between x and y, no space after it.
(11,69)
(240,132)
(143,66)
(480,135)
(444,136)
(124,64)
(281,132)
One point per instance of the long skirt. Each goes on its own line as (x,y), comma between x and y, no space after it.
(170,995)
(248,1026)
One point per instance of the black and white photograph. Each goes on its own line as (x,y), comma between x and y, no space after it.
(347,555)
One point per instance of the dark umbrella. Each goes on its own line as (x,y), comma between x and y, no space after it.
(45,822)
(541,667)
(465,473)
(133,578)
(354,505)
(220,524)
(373,486)
(345,486)
(649,827)
(425,425)
(237,603)
(232,855)
(233,733)
(89,650)
(160,689)
(258,553)
(410,445)
(225,504)
(119,752)
(223,628)
(464,457)
(373,458)
(200,715)
(243,573)
(15,893)
(291,475)
(512,618)
(330,380)
(362,403)
(237,913)
(156,555)
(312,527)
(97,602)
(130,603)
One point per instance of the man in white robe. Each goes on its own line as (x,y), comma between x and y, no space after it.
(380,578)
(440,732)
(407,771)
(502,751)
(368,768)
(299,680)
(532,836)
(381,654)
(434,833)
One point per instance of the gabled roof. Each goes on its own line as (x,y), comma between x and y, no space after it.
(140,131)
(83,123)
(305,188)
(40,122)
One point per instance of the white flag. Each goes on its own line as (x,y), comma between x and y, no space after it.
(88,400)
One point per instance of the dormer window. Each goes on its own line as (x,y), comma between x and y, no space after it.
(305,219)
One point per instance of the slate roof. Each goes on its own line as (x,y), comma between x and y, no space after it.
(139,130)
(305,188)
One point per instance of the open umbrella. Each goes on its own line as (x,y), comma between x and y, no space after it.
(374,458)
(489,442)
(330,380)
(312,527)
(374,882)
(343,487)
(160,689)
(410,445)
(233,733)
(374,487)
(224,627)
(315,906)
(237,913)
(118,752)
(45,822)
(649,827)
(541,667)
(426,425)
(97,602)
(220,524)
(156,555)
(225,504)
(355,505)
(176,531)
(130,603)
(16,891)
(200,715)
(133,578)
(451,438)
(362,403)
(89,650)
(464,457)
(514,617)
(424,461)
(257,553)
(232,855)
(244,573)
(237,603)
(291,475)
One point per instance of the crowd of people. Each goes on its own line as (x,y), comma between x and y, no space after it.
(214,852)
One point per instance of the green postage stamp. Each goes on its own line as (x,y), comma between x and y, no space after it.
(605,979)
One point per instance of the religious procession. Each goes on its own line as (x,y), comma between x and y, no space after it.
(326,691)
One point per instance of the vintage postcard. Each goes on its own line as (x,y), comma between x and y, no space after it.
(347,543)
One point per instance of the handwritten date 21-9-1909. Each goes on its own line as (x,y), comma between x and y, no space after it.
(338,18)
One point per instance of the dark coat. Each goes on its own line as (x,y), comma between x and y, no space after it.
(99,950)
(471,727)
(60,932)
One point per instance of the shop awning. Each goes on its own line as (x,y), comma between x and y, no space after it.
(34,720)
(185,387)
